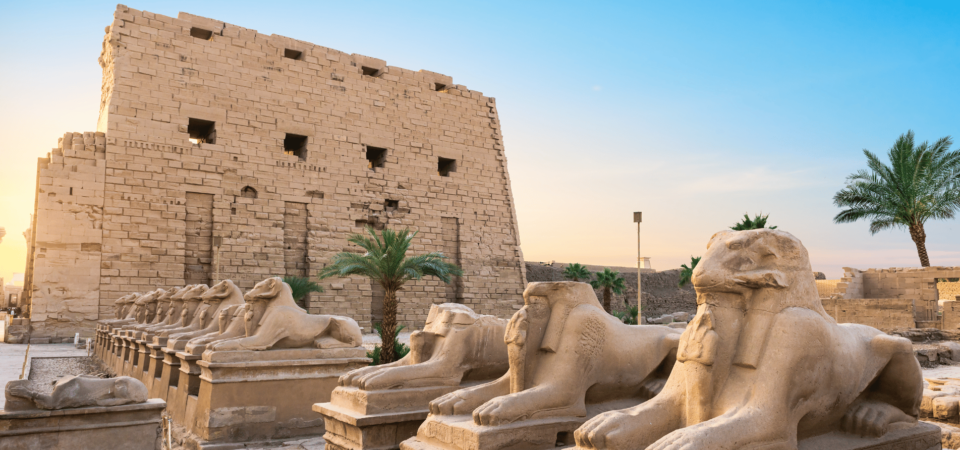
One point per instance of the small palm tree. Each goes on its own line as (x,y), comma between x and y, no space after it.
(629,317)
(386,262)
(758,222)
(922,182)
(686,273)
(611,282)
(301,286)
(576,272)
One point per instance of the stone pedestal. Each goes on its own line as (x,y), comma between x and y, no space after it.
(922,436)
(356,419)
(133,427)
(258,396)
(461,433)
(154,361)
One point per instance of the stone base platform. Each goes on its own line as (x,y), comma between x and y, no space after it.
(255,396)
(461,433)
(922,436)
(133,427)
(357,419)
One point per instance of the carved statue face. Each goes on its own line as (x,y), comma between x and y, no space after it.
(742,261)
(265,290)
(218,292)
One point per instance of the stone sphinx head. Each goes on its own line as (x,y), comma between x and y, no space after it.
(163,303)
(272,290)
(122,304)
(148,305)
(222,294)
(756,261)
(191,300)
(442,321)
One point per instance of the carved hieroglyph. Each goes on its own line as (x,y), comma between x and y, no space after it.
(456,344)
(763,366)
(75,392)
(274,320)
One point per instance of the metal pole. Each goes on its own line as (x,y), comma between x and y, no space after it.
(639,283)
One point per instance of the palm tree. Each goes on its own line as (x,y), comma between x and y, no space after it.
(576,272)
(922,182)
(758,222)
(386,262)
(686,273)
(301,286)
(609,281)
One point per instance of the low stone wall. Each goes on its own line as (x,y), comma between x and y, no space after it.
(660,292)
(951,315)
(881,313)
(949,290)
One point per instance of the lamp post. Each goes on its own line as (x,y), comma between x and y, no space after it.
(638,217)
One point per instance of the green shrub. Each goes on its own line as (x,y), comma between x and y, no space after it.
(400,349)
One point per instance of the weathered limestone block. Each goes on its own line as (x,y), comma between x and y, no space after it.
(133,426)
(762,364)
(256,396)
(76,392)
(380,406)
(568,362)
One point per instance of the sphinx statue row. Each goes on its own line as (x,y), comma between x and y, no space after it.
(761,366)
(222,317)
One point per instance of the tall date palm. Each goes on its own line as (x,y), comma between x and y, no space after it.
(386,262)
(576,272)
(921,183)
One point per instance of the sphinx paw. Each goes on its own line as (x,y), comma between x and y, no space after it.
(607,430)
(870,418)
(500,410)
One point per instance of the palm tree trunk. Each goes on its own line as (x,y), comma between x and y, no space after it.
(606,299)
(919,237)
(388,328)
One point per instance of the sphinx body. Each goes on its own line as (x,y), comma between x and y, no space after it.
(455,346)
(223,295)
(273,320)
(189,314)
(763,366)
(564,352)
(223,322)
(75,392)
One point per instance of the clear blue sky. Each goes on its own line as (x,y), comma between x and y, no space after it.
(694,112)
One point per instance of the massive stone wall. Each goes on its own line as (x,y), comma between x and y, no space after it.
(882,313)
(223,153)
(916,284)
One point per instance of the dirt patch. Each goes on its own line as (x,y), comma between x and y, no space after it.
(44,372)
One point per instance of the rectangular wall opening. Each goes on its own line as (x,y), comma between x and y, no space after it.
(295,244)
(202,131)
(198,248)
(391,205)
(439,87)
(376,157)
(200,33)
(445,166)
(369,71)
(450,246)
(295,145)
(292,54)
